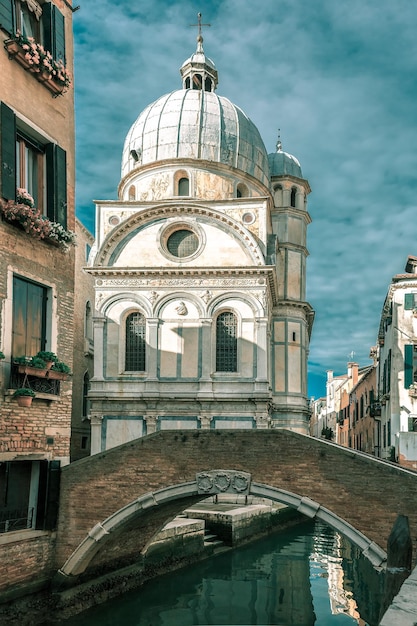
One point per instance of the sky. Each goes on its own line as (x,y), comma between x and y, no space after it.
(339,79)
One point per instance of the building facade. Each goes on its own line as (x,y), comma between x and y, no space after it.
(200,274)
(397,379)
(83,346)
(36,268)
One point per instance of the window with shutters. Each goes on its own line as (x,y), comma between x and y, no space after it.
(30,317)
(32,163)
(410,365)
(135,344)
(43,22)
(36,40)
(410,301)
(226,342)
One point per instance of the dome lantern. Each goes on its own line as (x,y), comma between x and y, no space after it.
(198,71)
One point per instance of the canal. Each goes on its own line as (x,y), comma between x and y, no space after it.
(304,576)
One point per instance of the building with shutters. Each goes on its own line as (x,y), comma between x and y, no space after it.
(200,274)
(36,269)
(397,379)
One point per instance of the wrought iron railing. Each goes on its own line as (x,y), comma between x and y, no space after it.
(37,383)
(15,519)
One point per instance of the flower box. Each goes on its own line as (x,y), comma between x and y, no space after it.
(32,371)
(24,59)
(54,375)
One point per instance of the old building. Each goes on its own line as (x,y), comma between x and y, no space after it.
(200,274)
(83,346)
(397,379)
(362,426)
(36,271)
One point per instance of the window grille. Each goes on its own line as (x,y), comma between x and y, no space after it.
(135,343)
(182,243)
(226,343)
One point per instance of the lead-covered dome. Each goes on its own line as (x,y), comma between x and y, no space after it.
(196,124)
(283,164)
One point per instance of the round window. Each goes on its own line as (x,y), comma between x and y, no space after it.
(182,243)
(114,220)
(248,218)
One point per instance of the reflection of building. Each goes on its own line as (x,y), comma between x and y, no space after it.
(36,273)
(397,382)
(200,274)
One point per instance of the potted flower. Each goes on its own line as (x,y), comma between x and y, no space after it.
(33,366)
(24,396)
(49,357)
(59,371)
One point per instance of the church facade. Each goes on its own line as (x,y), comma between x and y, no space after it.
(200,275)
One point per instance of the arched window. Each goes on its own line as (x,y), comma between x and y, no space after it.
(226,342)
(183,186)
(208,84)
(278,195)
(135,351)
(241,191)
(132,192)
(293,196)
(86,387)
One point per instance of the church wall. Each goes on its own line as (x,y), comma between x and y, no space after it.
(294,275)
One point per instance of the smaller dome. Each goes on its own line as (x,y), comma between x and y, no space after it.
(283,164)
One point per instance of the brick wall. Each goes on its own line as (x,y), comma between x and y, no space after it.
(366,493)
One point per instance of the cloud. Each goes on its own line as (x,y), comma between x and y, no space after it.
(337,78)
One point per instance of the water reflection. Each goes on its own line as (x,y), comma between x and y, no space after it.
(307,576)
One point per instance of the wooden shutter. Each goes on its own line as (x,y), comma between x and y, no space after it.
(8,152)
(54,31)
(409,299)
(52,495)
(29,317)
(408,365)
(6,16)
(56,183)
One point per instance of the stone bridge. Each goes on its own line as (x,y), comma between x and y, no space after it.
(113,503)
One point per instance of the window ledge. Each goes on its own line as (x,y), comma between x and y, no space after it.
(16,53)
(39,396)
(22,535)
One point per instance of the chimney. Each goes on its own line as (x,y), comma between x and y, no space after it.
(353,372)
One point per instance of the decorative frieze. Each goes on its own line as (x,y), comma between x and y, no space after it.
(223,481)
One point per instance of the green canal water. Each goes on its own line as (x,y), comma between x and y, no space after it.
(307,575)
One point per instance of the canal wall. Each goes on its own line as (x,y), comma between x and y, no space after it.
(181,542)
(403,609)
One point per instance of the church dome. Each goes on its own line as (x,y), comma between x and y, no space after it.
(283,164)
(196,124)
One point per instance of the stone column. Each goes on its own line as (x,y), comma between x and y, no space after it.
(98,331)
(96,424)
(206,356)
(205,420)
(152,361)
(261,382)
(151,420)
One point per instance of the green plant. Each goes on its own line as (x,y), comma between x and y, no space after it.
(24,391)
(22,360)
(59,366)
(47,356)
(37,362)
(2,356)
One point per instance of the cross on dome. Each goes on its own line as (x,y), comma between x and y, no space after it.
(199,72)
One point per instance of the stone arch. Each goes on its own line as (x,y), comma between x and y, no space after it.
(114,242)
(130,301)
(209,483)
(179,295)
(253,303)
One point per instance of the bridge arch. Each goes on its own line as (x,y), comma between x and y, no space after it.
(210,483)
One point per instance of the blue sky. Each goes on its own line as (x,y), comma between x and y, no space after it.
(338,79)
